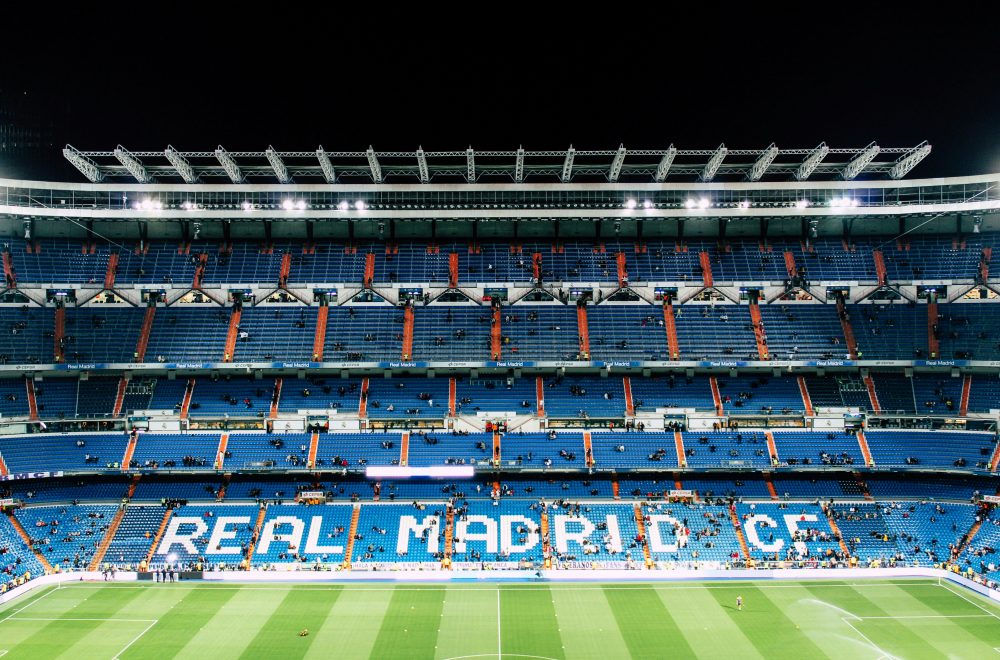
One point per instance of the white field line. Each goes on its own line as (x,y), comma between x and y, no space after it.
(29,604)
(884,656)
(285,586)
(969,600)
(69,618)
(928,616)
(499,638)
(135,639)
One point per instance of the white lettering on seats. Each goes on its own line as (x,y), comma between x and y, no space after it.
(792,521)
(507,524)
(750,526)
(488,534)
(312,541)
(221,533)
(271,534)
(408,525)
(656,543)
(173,536)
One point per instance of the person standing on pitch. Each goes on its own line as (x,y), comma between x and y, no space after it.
(739,603)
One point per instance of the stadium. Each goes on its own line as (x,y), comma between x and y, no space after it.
(500,404)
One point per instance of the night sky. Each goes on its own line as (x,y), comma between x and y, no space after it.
(497,76)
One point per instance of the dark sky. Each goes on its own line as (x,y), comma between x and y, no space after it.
(497,76)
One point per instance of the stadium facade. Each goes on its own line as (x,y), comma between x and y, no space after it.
(624,328)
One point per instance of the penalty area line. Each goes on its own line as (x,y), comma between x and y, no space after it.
(884,656)
(135,639)
(969,600)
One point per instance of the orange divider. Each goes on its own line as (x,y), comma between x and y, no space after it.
(231,335)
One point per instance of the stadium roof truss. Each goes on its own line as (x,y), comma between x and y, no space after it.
(518,166)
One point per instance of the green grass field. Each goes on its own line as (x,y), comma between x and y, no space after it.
(877,619)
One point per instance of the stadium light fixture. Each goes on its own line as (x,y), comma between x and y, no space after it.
(567,171)
(183,167)
(647,204)
(360,205)
(87,167)
(278,165)
(802,203)
(745,204)
(860,161)
(288,205)
(763,162)
(425,175)
(301,205)
(812,161)
(229,164)
(909,160)
(132,164)
(247,206)
(616,164)
(519,166)
(704,203)
(663,169)
(324,164)
(344,205)
(373,164)
(630,204)
(690,203)
(400,472)
(713,164)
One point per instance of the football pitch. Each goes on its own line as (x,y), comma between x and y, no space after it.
(879,619)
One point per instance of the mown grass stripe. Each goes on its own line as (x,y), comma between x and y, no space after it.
(766,626)
(468,623)
(528,624)
(299,610)
(233,626)
(409,629)
(174,629)
(709,632)
(892,635)
(351,625)
(587,625)
(646,625)
(964,635)
(55,637)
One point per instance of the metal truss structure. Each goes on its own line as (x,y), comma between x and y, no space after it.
(519,166)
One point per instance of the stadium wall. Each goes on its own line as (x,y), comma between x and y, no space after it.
(547,575)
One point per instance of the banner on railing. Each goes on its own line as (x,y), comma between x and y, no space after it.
(29,475)
(993,499)
(675,492)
